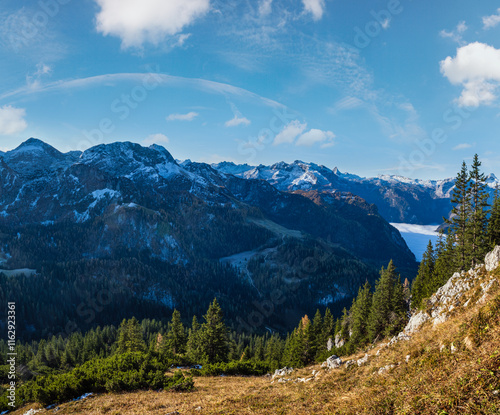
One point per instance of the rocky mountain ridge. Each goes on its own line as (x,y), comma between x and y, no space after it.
(399,199)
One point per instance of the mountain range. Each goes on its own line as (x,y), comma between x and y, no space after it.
(398,199)
(170,234)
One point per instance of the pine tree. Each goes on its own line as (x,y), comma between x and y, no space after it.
(345,325)
(193,343)
(445,264)
(493,230)
(214,339)
(274,352)
(317,327)
(387,313)
(308,340)
(259,351)
(478,222)
(130,337)
(423,284)
(360,313)
(327,331)
(460,217)
(176,336)
(294,348)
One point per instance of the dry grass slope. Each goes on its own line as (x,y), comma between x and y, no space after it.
(451,368)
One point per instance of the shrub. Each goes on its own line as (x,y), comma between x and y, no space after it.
(125,372)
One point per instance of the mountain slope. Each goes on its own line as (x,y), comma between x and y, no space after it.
(119,203)
(447,366)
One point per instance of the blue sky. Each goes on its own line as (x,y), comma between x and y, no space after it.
(381,87)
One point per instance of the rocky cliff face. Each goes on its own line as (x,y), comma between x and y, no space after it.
(461,291)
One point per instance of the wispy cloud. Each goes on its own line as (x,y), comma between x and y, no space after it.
(190,116)
(491,21)
(21,33)
(346,104)
(265,7)
(162,80)
(33,80)
(457,34)
(462,146)
(155,139)
(238,118)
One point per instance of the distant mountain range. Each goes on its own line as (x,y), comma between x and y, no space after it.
(398,198)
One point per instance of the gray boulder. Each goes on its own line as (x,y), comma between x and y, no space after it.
(333,362)
(492,259)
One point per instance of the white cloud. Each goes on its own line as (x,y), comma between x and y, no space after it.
(491,21)
(265,7)
(455,35)
(463,146)
(12,120)
(386,23)
(181,39)
(33,80)
(316,136)
(315,7)
(237,120)
(139,21)
(477,68)
(289,133)
(155,139)
(190,116)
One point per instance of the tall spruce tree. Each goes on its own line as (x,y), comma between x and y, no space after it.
(328,330)
(130,338)
(360,312)
(493,230)
(460,217)
(423,285)
(387,313)
(446,257)
(193,343)
(274,352)
(176,336)
(317,328)
(478,223)
(214,339)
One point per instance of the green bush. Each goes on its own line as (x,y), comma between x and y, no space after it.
(125,372)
